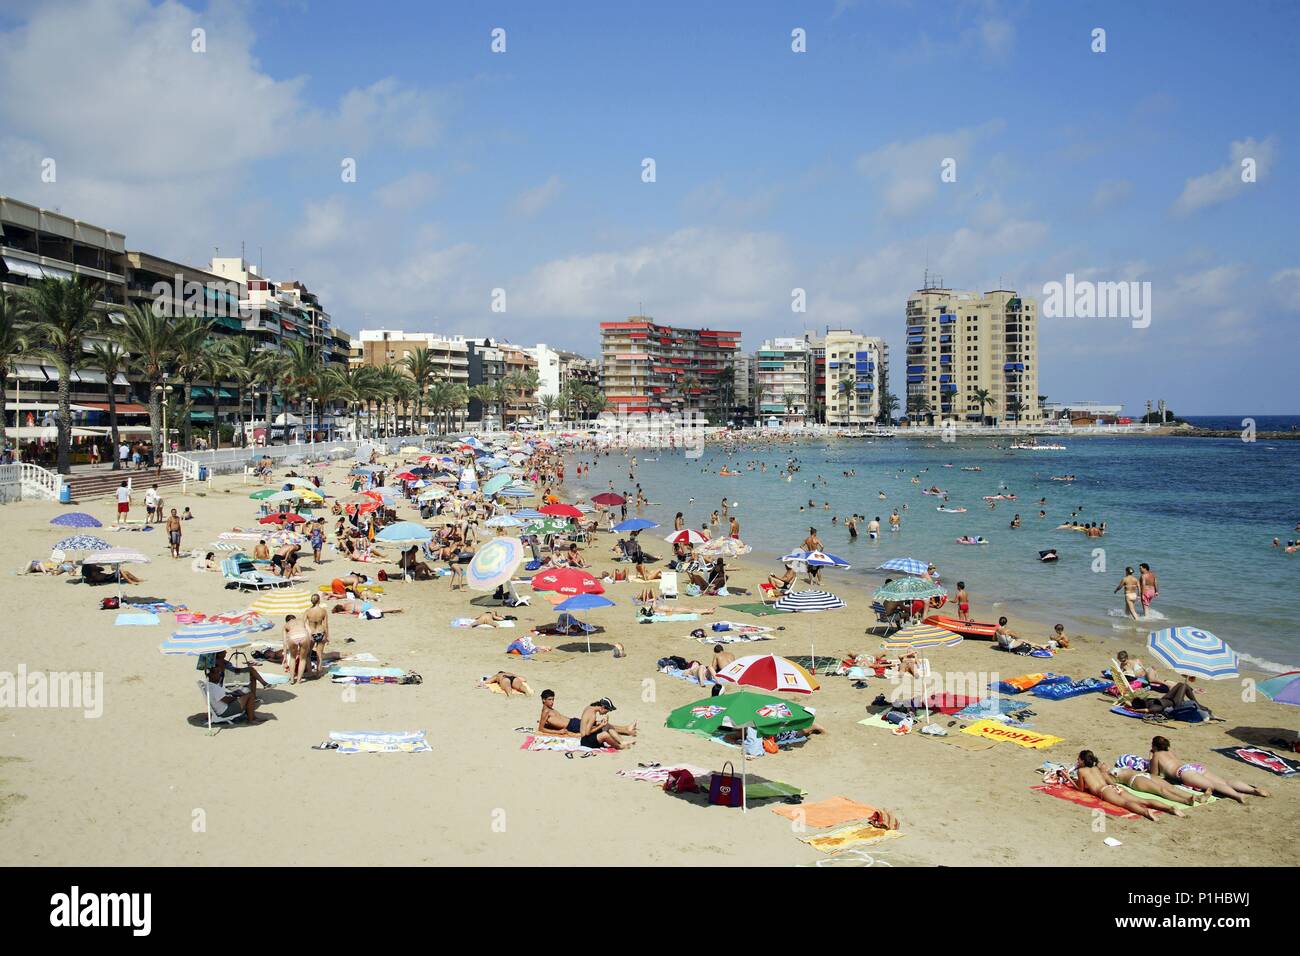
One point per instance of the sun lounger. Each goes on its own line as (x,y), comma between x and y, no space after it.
(668,585)
(254,580)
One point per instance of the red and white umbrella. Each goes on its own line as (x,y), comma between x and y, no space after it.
(687,536)
(769,672)
(560,511)
(567,581)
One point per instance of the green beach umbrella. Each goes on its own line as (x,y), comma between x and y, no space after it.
(263,494)
(549,526)
(909,589)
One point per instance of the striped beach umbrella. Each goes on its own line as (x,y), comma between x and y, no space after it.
(504,521)
(769,672)
(812,600)
(921,636)
(206,639)
(433,493)
(529,514)
(494,563)
(405,532)
(76,519)
(816,559)
(82,542)
(516,491)
(495,484)
(905,566)
(1192,651)
(1283,689)
(687,536)
(281,602)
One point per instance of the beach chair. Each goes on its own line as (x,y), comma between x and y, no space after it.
(249,580)
(514,598)
(216,718)
(890,624)
(668,585)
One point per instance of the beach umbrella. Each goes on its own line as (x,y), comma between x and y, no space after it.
(687,536)
(81,542)
(529,513)
(77,519)
(636,524)
(299,482)
(724,548)
(405,532)
(281,602)
(282,518)
(263,493)
(405,476)
(210,637)
(1283,689)
(809,601)
(918,637)
(816,559)
(115,558)
(905,566)
(553,526)
(504,521)
(908,589)
(279,496)
(1192,651)
(433,493)
(468,480)
(766,714)
(516,491)
(494,563)
(609,498)
(769,672)
(560,510)
(567,581)
(584,602)
(495,484)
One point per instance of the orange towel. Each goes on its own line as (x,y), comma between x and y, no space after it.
(826,813)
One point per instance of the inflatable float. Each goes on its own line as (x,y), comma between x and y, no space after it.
(967,539)
(965,628)
(951,511)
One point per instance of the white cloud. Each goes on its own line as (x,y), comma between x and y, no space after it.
(324,223)
(409,191)
(907,173)
(1287,283)
(531,202)
(1110,193)
(1225,183)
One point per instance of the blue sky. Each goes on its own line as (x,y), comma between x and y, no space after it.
(774,170)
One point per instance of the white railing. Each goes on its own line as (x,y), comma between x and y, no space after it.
(25,480)
(186,465)
(225,461)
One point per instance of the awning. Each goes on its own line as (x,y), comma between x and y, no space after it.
(123,408)
(23,268)
(31,372)
(94,376)
(47,432)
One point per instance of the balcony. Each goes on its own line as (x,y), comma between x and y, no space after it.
(1013,367)
(947,318)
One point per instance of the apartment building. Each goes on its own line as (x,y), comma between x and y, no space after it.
(848,377)
(783,380)
(379,347)
(557,369)
(963,344)
(647,368)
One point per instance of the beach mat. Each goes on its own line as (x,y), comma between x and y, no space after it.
(877,720)
(380,742)
(1262,759)
(825,666)
(826,813)
(1083,799)
(1002,733)
(759,789)
(127,619)
(995,708)
(852,835)
(540,742)
(756,609)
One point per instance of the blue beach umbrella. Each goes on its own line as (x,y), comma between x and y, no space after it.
(495,484)
(529,514)
(816,559)
(584,602)
(77,519)
(405,532)
(1194,652)
(516,491)
(81,542)
(504,521)
(636,524)
(808,601)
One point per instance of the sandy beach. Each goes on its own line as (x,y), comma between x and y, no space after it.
(145,784)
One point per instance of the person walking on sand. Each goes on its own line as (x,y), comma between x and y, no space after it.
(123,502)
(318,626)
(174,533)
(1131,587)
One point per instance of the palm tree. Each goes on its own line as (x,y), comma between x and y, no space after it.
(457,401)
(13,342)
(112,361)
(982,397)
(846,390)
(918,405)
(690,382)
(1014,408)
(387,389)
(189,356)
(148,337)
(420,363)
(302,368)
(241,362)
(888,405)
(269,371)
(215,364)
(65,313)
(549,403)
(595,402)
(485,395)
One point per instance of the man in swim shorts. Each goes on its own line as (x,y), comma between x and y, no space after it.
(598,732)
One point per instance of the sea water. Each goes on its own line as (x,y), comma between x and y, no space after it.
(1201,511)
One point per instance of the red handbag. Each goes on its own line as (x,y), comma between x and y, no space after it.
(681,781)
(725,788)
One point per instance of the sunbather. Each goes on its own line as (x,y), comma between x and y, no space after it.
(509,683)
(1164,763)
(1092,779)
(491,619)
(101,574)
(1134,669)
(1134,772)
(551,721)
(598,732)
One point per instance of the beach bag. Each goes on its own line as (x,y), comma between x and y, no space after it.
(725,788)
(681,781)
(109,604)
(722,626)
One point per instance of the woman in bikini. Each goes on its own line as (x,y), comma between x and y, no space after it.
(1134,772)
(1194,775)
(1092,779)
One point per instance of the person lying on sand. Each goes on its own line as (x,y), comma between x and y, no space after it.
(551,721)
(491,619)
(1134,772)
(1092,779)
(1165,764)
(101,574)
(509,683)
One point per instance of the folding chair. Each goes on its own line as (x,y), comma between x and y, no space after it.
(216,718)
(668,585)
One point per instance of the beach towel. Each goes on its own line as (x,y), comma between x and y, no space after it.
(538,742)
(877,720)
(730,637)
(854,834)
(1130,712)
(126,619)
(757,609)
(946,703)
(760,789)
(662,618)
(1083,799)
(826,666)
(995,708)
(826,813)
(350,671)
(469,622)
(1018,685)
(379,742)
(660,774)
(689,678)
(154,607)
(1066,689)
(1001,733)
(1261,759)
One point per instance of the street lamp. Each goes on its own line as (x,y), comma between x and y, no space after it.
(164,390)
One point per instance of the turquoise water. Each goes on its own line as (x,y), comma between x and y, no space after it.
(1201,512)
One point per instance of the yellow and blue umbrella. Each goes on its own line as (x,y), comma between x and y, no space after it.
(921,636)
(493,563)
